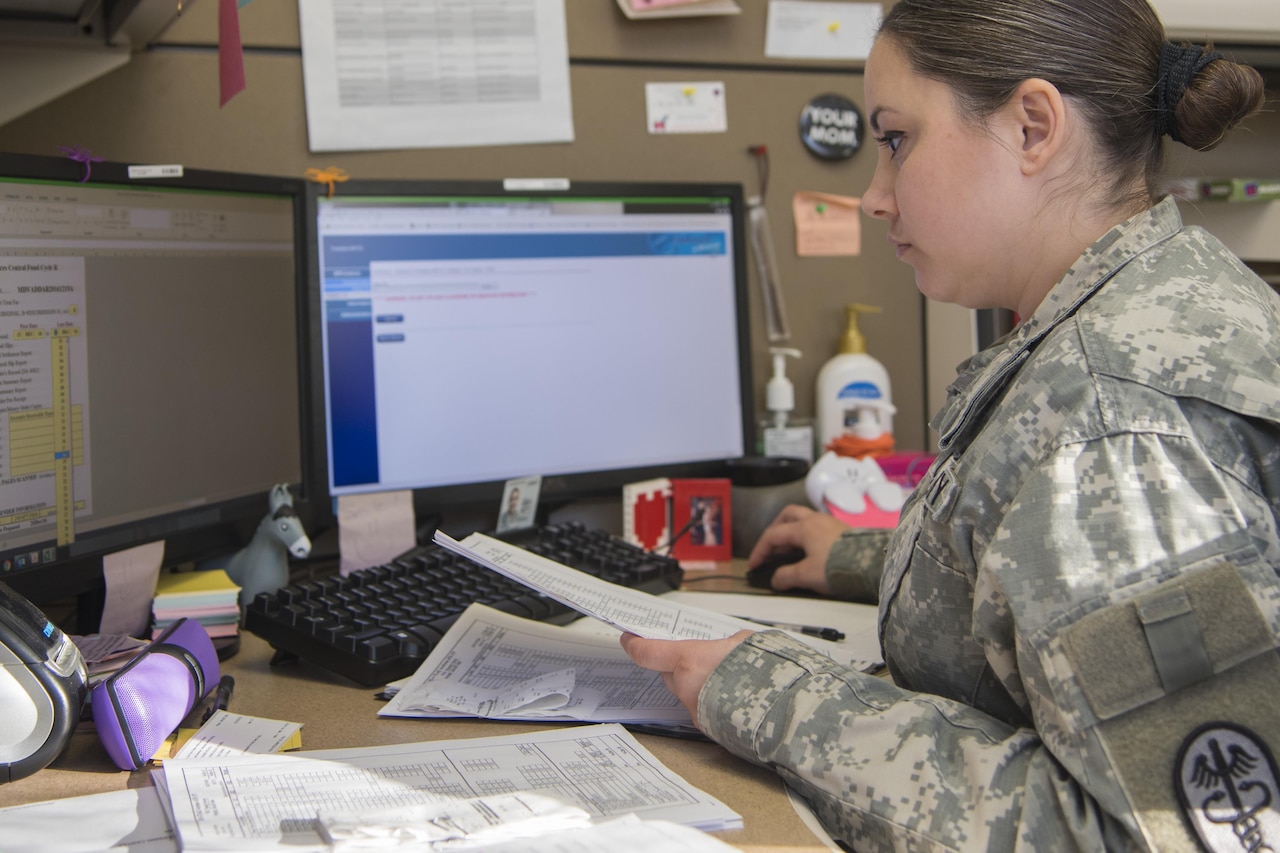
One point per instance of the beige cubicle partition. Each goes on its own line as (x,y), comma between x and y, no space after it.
(162,107)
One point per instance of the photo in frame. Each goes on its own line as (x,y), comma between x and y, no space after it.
(702,509)
(519,508)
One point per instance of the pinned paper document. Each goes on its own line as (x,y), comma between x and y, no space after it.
(801,29)
(686,107)
(639,10)
(505,84)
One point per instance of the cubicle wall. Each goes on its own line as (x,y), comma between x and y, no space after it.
(162,107)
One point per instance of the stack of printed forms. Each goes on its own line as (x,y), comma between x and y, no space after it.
(575,789)
(491,664)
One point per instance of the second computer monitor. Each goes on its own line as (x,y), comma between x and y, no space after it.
(150,385)
(475,332)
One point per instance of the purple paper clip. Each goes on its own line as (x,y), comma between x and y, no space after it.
(80,155)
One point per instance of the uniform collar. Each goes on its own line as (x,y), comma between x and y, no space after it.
(1099,263)
(982,379)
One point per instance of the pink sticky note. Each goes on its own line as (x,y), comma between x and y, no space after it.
(374,528)
(130,576)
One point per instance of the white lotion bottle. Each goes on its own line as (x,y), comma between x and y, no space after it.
(853,393)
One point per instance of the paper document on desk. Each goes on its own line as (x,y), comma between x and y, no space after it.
(621,835)
(252,802)
(860,649)
(225,733)
(130,821)
(626,609)
(492,664)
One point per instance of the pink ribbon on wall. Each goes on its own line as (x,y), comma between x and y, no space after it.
(230,51)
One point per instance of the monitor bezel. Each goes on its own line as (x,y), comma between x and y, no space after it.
(434,505)
(201,532)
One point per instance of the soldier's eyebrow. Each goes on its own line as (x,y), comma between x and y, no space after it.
(874,120)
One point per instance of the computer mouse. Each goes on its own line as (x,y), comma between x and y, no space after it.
(761,576)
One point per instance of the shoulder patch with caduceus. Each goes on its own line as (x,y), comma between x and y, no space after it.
(1229,788)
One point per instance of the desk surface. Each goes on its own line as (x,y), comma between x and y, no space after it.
(337,713)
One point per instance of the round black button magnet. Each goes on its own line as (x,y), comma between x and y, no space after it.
(831,127)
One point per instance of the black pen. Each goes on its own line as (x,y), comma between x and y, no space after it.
(810,630)
(222,698)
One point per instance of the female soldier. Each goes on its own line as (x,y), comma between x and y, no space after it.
(1080,607)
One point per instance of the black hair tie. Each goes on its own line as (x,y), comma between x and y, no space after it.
(1178,67)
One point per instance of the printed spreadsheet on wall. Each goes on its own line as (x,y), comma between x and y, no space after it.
(386,74)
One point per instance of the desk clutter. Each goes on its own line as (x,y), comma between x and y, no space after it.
(43,682)
(576,789)
(378,624)
(231,785)
(137,707)
(207,598)
(220,801)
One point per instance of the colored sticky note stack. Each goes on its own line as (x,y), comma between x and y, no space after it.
(208,597)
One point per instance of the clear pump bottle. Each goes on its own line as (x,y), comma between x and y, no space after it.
(782,433)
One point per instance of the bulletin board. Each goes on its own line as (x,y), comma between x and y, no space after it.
(163,107)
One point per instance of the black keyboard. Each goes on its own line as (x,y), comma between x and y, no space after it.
(378,624)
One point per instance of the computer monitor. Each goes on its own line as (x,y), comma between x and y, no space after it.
(592,334)
(152,382)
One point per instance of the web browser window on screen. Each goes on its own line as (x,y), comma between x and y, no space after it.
(476,340)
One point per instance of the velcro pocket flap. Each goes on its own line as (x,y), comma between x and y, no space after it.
(1184,631)
(1191,661)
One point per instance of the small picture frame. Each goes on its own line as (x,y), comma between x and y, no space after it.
(519,507)
(702,509)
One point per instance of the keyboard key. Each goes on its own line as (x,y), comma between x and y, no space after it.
(353,641)
(410,644)
(444,623)
(374,649)
(537,605)
(330,632)
(427,635)
(515,608)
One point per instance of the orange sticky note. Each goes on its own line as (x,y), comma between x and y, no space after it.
(827,224)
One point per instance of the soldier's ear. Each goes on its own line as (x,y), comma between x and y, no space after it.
(1037,117)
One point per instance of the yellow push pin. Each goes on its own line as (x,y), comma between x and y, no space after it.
(688,91)
(833,26)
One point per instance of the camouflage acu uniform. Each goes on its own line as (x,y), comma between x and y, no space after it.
(1087,575)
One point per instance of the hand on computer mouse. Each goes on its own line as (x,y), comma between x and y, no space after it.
(761,574)
(796,545)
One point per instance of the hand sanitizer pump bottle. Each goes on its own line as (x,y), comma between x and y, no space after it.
(784,435)
(855,414)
